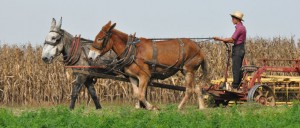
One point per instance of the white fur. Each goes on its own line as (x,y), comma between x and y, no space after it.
(51,37)
(50,51)
(93,54)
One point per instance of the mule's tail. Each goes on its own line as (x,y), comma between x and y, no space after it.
(204,70)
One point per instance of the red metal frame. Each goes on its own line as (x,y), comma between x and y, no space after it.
(256,78)
(257,75)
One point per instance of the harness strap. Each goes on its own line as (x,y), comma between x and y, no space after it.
(154,56)
(182,52)
(126,58)
(58,32)
(154,62)
(74,54)
(77,52)
(71,51)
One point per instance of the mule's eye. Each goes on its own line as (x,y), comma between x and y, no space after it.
(53,38)
(98,40)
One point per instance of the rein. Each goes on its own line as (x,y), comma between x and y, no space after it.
(206,38)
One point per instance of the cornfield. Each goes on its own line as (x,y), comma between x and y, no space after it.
(26,80)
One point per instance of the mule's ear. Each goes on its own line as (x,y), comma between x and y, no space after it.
(59,24)
(112,27)
(106,26)
(53,23)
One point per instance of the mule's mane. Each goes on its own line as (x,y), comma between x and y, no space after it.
(120,34)
(67,36)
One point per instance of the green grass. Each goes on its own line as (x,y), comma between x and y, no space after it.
(117,116)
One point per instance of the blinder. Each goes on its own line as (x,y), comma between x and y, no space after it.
(58,32)
(104,42)
(106,39)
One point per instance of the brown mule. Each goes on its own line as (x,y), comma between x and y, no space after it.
(160,59)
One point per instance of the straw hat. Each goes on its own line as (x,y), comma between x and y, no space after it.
(238,14)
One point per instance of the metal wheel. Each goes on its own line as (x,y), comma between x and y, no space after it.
(262,94)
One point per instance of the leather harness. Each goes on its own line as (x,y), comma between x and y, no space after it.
(74,54)
(126,58)
(154,62)
(182,53)
(154,56)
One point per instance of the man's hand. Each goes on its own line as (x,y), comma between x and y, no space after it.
(217,38)
(224,40)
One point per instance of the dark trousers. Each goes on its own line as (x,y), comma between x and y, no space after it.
(238,53)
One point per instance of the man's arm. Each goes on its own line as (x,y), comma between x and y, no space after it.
(225,40)
(235,35)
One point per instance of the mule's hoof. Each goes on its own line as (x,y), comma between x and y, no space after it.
(154,108)
(71,108)
(201,107)
(180,107)
(137,107)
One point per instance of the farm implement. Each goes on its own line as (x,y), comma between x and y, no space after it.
(259,86)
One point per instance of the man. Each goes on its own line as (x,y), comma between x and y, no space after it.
(238,50)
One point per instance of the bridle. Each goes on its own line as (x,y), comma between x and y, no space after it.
(74,53)
(57,41)
(104,42)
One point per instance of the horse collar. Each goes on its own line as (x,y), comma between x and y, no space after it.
(132,40)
